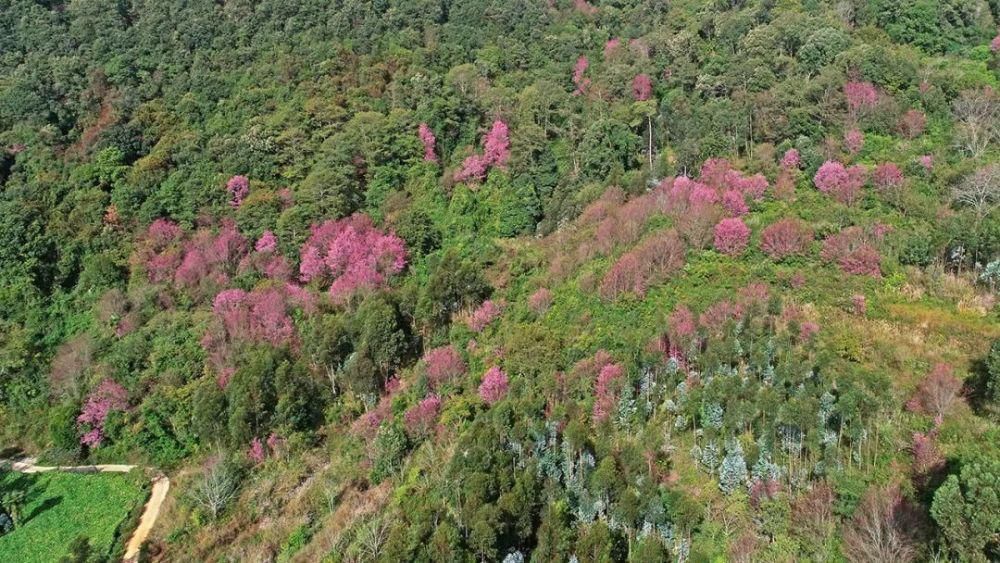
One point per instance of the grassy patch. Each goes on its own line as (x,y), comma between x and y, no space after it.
(59,506)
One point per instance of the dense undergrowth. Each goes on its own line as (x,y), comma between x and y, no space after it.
(512,280)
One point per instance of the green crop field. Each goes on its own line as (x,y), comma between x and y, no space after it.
(58,507)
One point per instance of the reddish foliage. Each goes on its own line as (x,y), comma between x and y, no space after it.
(995,44)
(926,457)
(753,187)
(352,255)
(474,168)
(854,251)
(719,314)
(786,238)
(912,123)
(258,316)
(731,236)
(653,259)
(937,393)
(428,140)
(443,364)
(642,87)
(812,513)
(858,304)
(494,385)
(540,301)
(882,528)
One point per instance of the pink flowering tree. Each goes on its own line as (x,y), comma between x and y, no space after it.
(642,87)
(484,315)
(927,162)
(606,390)
(211,258)
(887,177)
(861,96)
(731,236)
(854,251)
(494,386)
(159,250)
(579,69)
(419,419)
(995,44)
(854,141)
(443,364)
(540,301)
(428,140)
(496,153)
(256,453)
(238,188)
(651,261)
(611,46)
(266,243)
(108,396)
(912,123)
(791,160)
(843,184)
(351,255)
(787,237)
(735,203)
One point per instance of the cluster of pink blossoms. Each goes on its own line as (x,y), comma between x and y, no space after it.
(107,397)
(494,385)
(496,153)
(352,255)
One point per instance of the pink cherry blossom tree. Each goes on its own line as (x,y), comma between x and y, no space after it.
(785,238)
(494,385)
(351,255)
(428,140)
(843,184)
(606,390)
(540,300)
(642,87)
(582,83)
(731,236)
(854,140)
(443,364)
(238,188)
(419,419)
(484,315)
(108,396)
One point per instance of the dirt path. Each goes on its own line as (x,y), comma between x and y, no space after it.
(159,493)
(160,487)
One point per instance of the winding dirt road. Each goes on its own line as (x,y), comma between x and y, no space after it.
(161,485)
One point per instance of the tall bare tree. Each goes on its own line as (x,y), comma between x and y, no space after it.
(978,115)
(980,191)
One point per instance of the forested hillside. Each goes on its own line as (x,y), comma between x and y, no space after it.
(617,280)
